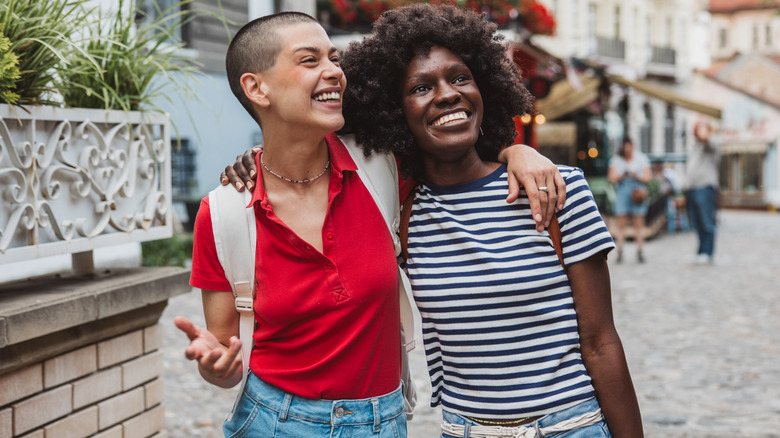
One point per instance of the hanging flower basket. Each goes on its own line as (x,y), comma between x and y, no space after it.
(533,16)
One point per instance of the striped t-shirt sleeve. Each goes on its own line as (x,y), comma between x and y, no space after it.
(583,230)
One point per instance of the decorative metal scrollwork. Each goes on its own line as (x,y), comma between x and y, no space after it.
(80,179)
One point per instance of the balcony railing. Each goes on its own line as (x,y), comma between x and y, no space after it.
(73,180)
(610,48)
(663,55)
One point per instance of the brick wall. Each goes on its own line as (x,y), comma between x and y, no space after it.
(80,355)
(107,389)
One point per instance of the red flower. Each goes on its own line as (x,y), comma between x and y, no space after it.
(530,13)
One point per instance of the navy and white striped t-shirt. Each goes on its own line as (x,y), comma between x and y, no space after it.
(499,326)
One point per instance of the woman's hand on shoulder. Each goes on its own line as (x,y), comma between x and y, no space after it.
(532,170)
(243,172)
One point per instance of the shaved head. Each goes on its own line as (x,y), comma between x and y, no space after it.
(254,49)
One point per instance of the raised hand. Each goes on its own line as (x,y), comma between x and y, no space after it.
(219,365)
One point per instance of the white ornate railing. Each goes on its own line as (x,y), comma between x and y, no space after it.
(72,180)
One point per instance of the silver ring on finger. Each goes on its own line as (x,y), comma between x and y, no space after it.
(544,189)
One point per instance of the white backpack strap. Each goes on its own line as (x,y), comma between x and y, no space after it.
(235,237)
(379,174)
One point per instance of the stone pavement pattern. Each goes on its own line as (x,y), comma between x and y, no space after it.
(703,342)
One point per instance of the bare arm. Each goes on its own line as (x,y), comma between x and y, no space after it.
(647,175)
(527,168)
(217,348)
(613,176)
(530,169)
(602,351)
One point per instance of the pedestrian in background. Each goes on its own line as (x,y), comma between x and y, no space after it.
(630,171)
(701,194)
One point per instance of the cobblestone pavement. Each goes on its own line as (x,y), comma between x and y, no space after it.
(703,342)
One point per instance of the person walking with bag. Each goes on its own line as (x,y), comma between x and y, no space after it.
(630,171)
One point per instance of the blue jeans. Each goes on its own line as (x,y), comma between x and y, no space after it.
(702,207)
(598,430)
(623,204)
(269,412)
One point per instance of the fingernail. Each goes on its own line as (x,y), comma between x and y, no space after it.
(239,186)
(252,173)
(223,180)
(538,218)
(249,185)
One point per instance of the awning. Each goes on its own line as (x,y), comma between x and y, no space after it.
(744,148)
(659,93)
(557,134)
(564,98)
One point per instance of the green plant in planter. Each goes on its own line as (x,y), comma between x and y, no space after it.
(9,71)
(40,32)
(122,65)
(174,251)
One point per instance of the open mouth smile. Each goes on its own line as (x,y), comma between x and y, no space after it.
(450,118)
(330,97)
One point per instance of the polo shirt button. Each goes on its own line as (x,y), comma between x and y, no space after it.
(339,412)
(329,266)
(329,236)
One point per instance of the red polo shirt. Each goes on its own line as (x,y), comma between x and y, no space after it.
(328,323)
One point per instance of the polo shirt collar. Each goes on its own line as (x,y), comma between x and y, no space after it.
(340,161)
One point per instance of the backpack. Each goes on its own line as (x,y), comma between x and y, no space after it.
(235,237)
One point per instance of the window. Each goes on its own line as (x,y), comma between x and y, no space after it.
(755,36)
(592,29)
(150,10)
(768,35)
(617,22)
(669,130)
(723,38)
(752,165)
(646,130)
(183,178)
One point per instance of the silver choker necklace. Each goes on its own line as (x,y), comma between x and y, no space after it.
(297,181)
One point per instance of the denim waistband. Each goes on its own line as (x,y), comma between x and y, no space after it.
(584,413)
(336,412)
(589,405)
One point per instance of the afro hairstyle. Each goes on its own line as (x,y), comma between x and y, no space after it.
(375,69)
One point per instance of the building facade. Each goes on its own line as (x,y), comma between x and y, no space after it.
(744,77)
(654,43)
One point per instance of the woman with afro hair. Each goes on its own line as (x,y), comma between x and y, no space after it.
(514,345)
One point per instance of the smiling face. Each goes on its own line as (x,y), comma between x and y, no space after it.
(305,85)
(442,105)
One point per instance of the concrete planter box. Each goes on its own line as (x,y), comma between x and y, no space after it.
(79,351)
